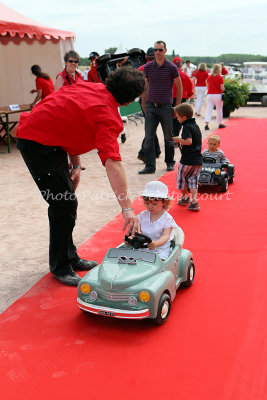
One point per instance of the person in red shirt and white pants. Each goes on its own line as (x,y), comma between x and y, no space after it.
(214,97)
(200,79)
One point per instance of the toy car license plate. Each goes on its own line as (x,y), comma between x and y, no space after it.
(108,313)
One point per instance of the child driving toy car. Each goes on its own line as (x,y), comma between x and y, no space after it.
(155,221)
(213,151)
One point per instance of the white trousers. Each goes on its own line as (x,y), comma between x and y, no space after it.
(214,100)
(200,92)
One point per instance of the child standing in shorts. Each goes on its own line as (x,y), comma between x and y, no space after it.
(191,159)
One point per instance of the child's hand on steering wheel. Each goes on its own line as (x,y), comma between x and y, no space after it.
(151,245)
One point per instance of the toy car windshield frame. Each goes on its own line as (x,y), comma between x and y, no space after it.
(132,253)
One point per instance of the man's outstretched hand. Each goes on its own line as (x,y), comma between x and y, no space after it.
(132,222)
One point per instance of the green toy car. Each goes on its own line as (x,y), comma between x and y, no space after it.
(131,283)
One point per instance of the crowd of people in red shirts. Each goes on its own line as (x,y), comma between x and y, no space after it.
(196,83)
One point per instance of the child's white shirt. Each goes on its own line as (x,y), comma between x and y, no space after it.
(154,231)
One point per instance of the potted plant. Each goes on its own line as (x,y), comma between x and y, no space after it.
(235,95)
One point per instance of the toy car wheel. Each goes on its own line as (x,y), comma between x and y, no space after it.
(105,57)
(224,185)
(231,173)
(134,51)
(190,274)
(163,309)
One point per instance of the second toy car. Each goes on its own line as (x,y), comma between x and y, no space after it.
(214,173)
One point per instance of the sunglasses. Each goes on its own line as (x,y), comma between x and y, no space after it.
(73,61)
(158,50)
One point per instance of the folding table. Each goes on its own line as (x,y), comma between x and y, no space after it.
(5,125)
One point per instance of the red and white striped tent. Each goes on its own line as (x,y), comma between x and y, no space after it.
(24,42)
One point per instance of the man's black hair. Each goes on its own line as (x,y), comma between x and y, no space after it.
(161,41)
(125,84)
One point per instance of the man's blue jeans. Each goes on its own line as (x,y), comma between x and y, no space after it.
(155,114)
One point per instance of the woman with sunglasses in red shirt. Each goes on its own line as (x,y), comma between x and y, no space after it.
(69,76)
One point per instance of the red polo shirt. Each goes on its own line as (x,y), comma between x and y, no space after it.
(214,84)
(68,78)
(188,88)
(224,71)
(45,85)
(92,75)
(201,77)
(78,118)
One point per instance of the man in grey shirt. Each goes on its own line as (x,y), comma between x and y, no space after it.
(157,104)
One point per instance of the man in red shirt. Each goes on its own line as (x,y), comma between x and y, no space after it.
(92,75)
(224,70)
(73,121)
(188,91)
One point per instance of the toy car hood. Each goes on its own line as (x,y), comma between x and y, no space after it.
(119,271)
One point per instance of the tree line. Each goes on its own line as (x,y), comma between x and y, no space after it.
(225,58)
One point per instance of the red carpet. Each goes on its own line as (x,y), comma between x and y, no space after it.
(213,346)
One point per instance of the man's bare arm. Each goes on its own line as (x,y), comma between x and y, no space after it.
(118,182)
(179,87)
(144,96)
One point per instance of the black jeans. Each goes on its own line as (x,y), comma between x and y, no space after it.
(141,152)
(156,141)
(49,168)
(155,114)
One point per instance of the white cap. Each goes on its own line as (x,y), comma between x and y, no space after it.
(156,189)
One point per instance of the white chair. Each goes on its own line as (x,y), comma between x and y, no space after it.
(178,236)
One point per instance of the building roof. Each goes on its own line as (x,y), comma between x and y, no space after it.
(13,23)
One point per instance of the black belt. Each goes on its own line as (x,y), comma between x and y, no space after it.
(158,104)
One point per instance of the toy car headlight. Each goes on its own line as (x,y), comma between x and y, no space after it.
(132,301)
(217,172)
(85,288)
(144,296)
(93,296)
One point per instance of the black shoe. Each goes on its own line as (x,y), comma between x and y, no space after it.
(222,126)
(141,158)
(207,127)
(123,138)
(170,167)
(83,265)
(193,207)
(69,280)
(146,171)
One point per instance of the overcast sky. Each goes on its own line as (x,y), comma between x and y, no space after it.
(192,28)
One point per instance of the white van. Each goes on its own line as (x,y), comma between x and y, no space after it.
(255,74)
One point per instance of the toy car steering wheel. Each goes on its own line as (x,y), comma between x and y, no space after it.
(209,160)
(139,241)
